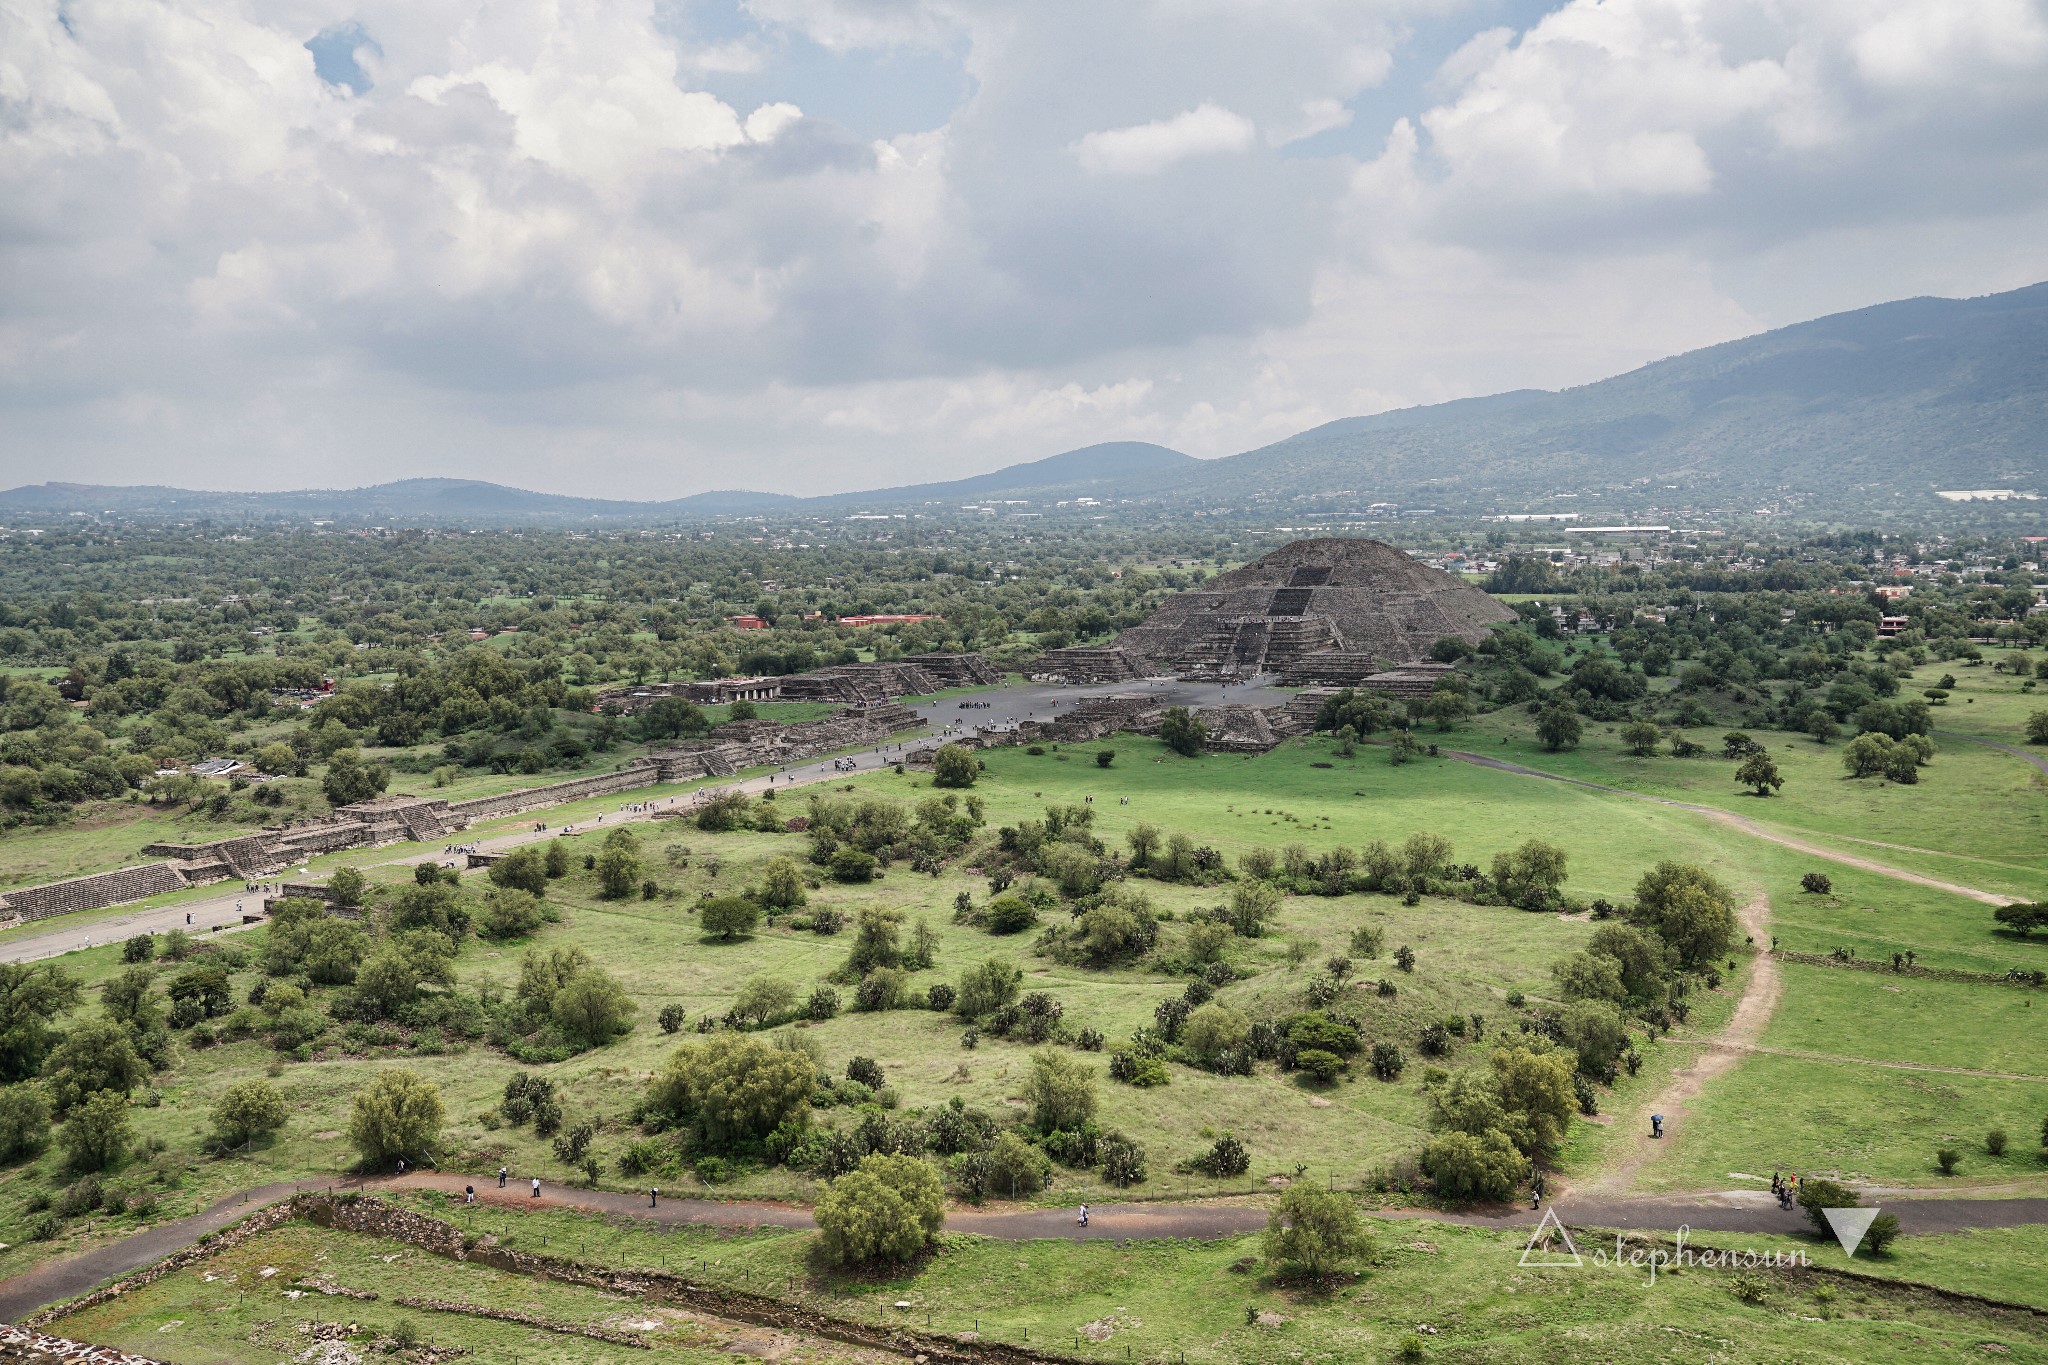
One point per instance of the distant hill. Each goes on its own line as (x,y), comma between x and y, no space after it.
(1119,468)
(1882,404)
(1112,469)
(1902,398)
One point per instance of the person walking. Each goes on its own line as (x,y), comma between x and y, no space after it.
(1083,1220)
(401,1166)
(502,1173)
(469,1194)
(653,1196)
(536,1187)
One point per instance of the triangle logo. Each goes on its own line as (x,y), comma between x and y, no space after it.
(1849,1226)
(1545,1243)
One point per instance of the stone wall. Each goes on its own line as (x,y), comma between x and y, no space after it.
(33,1348)
(92,893)
(639,774)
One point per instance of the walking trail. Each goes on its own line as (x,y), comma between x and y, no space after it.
(1718,1056)
(1744,824)
(1737,1211)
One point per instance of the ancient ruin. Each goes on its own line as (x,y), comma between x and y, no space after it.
(1330,612)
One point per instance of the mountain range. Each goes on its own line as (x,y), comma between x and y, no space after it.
(1881,405)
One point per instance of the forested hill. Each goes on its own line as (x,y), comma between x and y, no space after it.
(1896,400)
(1872,409)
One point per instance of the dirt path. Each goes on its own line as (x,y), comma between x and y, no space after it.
(1718,1056)
(1746,825)
(1725,1211)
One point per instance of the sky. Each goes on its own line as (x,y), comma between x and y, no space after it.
(641,250)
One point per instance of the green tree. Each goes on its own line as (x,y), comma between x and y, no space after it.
(618,864)
(1759,774)
(24,1121)
(1251,905)
(96,1136)
(511,914)
(1689,909)
(1531,875)
(347,887)
(279,760)
(523,869)
(556,861)
(886,1210)
(1641,738)
(2023,917)
(2037,727)
(248,1109)
(763,998)
(398,1114)
(1182,732)
(731,1089)
(852,865)
(1144,841)
(1589,976)
(782,884)
(1214,1029)
(727,917)
(1558,727)
(1060,1091)
(32,996)
(1310,1232)
(955,766)
(1818,1195)
(592,1008)
(987,988)
(1594,1029)
(348,779)
(97,1055)
(1468,1166)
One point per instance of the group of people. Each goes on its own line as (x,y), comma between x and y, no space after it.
(461,848)
(1786,1188)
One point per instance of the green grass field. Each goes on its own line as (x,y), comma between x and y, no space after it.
(1458,1290)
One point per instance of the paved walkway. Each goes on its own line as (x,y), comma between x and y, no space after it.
(1004,709)
(1730,1211)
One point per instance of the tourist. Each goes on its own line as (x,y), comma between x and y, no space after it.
(469,1194)
(502,1173)
(536,1187)
(653,1196)
(1083,1220)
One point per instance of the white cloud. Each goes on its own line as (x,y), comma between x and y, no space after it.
(1149,148)
(550,233)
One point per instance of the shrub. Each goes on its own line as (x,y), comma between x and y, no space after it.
(1104,757)
(1060,1091)
(727,917)
(1016,1167)
(731,1089)
(1816,884)
(1994,1142)
(782,884)
(881,989)
(763,998)
(1948,1158)
(987,988)
(1137,1069)
(511,913)
(823,1004)
(1226,1157)
(887,1210)
(1387,1061)
(1816,1196)
(852,865)
(1404,958)
(141,948)
(1319,1066)
(939,996)
(1123,1161)
(1882,1232)
(1310,1232)
(671,1018)
(1010,915)
(96,1135)
(955,766)
(247,1110)
(1465,1166)
(398,1114)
